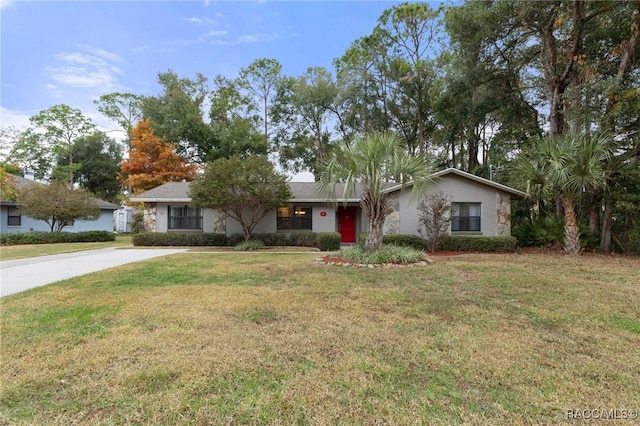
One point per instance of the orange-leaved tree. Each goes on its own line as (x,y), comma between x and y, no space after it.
(153,161)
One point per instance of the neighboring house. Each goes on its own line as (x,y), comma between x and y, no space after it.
(12,221)
(479,207)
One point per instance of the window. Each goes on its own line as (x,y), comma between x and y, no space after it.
(14,218)
(294,218)
(185,217)
(465,216)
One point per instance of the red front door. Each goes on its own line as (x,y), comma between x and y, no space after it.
(347,224)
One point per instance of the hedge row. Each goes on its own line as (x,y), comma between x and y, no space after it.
(450,243)
(39,237)
(325,241)
(473,243)
(178,239)
(401,240)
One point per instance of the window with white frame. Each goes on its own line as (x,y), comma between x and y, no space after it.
(13,217)
(465,217)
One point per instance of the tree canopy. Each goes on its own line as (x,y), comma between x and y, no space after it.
(57,205)
(246,189)
(152,161)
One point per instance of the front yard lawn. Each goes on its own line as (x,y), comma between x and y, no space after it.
(32,250)
(266,338)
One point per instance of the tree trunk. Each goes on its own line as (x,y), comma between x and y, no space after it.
(607,225)
(376,211)
(374,235)
(571,230)
(594,213)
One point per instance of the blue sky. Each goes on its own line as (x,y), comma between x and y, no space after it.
(72,52)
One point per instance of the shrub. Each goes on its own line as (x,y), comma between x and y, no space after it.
(473,243)
(544,231)
(434,218)
(325,241)
(633,242)
(249,245)
(549,231)
(137,223)
(178,239)
(38,237)
(328,241)
(403,240)
(300,239)
(388,253)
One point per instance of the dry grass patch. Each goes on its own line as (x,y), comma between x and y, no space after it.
(268,338)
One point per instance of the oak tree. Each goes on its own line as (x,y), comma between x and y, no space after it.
(56,204)
(245,189)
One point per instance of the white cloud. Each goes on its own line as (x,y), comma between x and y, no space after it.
(5,3)
(247,39)
(13,118)
(95,69)
(216,33)
(197,20)
(53,89)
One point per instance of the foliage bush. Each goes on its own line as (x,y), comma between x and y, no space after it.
(403,240)
(544,231)
(249,245)
(179,239)
(38,237)
(300,239)
(474,243)
(549,231)
(325,241)
(137,223)
(633,242)
(388,253)
(328,241)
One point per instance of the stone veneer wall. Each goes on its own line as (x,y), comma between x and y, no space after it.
(150,212)
(503,215)
(392,222)
(219,223)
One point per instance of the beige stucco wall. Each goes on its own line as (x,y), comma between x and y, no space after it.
(464,191)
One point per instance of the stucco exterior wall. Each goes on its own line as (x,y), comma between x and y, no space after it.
(327,223)
(462,191)
(28,224)
(266,226)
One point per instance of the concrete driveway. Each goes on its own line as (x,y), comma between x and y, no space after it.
(23,274)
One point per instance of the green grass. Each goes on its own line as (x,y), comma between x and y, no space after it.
(32,250)
(266,338)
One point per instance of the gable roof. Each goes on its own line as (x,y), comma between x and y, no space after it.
(20,183)
(307,192)
(451,171)
(178,192)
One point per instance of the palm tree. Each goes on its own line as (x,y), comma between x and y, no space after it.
(370,162)
(573,163)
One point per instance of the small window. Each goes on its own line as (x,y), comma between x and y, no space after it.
(185,217)
(465,217)
(14,218)
(294,218)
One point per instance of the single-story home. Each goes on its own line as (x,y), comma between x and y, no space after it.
(12,221)
(479,207)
